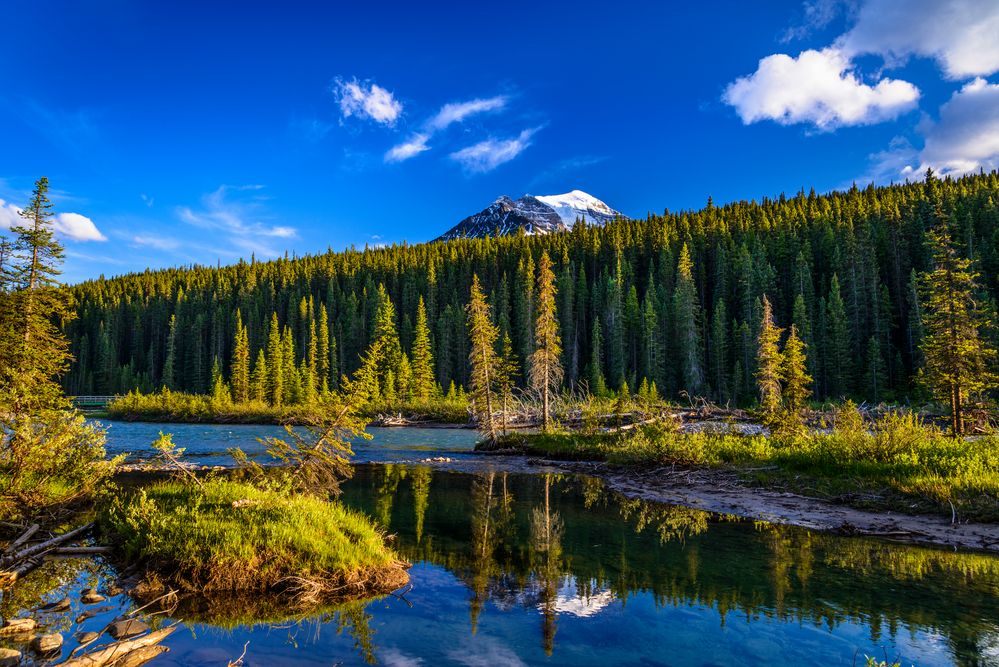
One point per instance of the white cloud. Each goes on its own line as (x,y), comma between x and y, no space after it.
(817,87)
(963,140)
(363,98)
(77,227)
(412,147)
(72,226)
(241,222)
(966,137)
(456,112)
(491,153)
(961,35)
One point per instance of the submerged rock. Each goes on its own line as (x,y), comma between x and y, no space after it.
(86,637)
(9,657)
(61,605)
(127,628)
(92,598)
(47,643)
(16,626)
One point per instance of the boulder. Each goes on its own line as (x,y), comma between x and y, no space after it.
(9,657)
(46,644)
(92,598)
(127,628)
(60,605)
(16,626)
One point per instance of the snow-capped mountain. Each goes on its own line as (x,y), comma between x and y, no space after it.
(535,215)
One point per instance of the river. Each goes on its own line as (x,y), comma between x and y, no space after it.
(514,568)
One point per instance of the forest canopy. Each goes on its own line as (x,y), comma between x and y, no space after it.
(675,299)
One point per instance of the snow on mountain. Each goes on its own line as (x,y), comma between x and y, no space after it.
(535,215)
(578,204)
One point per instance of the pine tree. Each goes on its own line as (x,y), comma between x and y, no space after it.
(259,379)
(310,378)
(387,332)
(688,331)
(598,386)
(170,365)
(323,368)
(958,361)
(719,351)
(290,374)
(794,373)
(275,363)
(875,373)
(422,358)
(239,373)
(839,366)
(506,374)
(483,358)
(546,362)
(768,363)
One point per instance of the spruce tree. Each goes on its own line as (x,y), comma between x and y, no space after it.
(239,373)
(482,355)
(275,363)
(506,375)
(323,368)
(260,378)
(794,373)
(422,357)
(768,363)
(839,359)
(170,365)
(687,321)
(546,362)
(958,360)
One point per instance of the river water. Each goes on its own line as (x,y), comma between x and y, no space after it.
(545,569)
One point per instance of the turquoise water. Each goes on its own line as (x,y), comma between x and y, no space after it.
(208,444)
(533,569)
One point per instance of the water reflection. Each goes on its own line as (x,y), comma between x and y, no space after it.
(566,546)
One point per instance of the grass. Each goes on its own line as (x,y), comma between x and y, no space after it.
(174,406)
(227,535)
(895,463)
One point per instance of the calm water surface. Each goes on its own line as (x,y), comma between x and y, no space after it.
(515,569)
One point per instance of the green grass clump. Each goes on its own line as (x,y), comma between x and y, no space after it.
(229,535)
(897,462)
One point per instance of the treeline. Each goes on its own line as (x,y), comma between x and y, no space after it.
(676,300)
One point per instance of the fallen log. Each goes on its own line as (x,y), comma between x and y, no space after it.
(82,551)
(9,577)
(44,546)
(32,529)
(140,656)
(113,653)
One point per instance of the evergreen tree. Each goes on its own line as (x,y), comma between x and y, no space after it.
(239,373)
(275,363)
(687,318)
(598,386)
(423,361)
(506,374)
(546,362)
(720,364)
(483,358)
(839,358)
(794,372)
(260,378)
(768,363)
(323,368)
(959,362)
(875,373)
(170,364)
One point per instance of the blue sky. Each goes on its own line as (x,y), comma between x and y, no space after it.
(180,132)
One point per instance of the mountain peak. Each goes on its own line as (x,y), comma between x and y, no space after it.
(534,214)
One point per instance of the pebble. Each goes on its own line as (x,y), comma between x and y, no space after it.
(9,657)
(128,628)
(47,643)
(16,626)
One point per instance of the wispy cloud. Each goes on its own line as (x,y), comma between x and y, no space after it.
(449,114)
(412,147)
(457,112)
(242,222)
(566,166)
(491,153)
(156,241)
(366,99)
(147,200)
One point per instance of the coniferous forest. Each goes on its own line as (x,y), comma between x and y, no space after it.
(675,299)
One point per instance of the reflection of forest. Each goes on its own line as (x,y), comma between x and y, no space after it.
(566,544)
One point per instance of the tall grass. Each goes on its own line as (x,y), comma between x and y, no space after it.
(898,461)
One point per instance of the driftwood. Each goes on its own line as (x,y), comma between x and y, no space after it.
(141,656)
(82,551)
(12,547)
(116,653)
(44,546)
